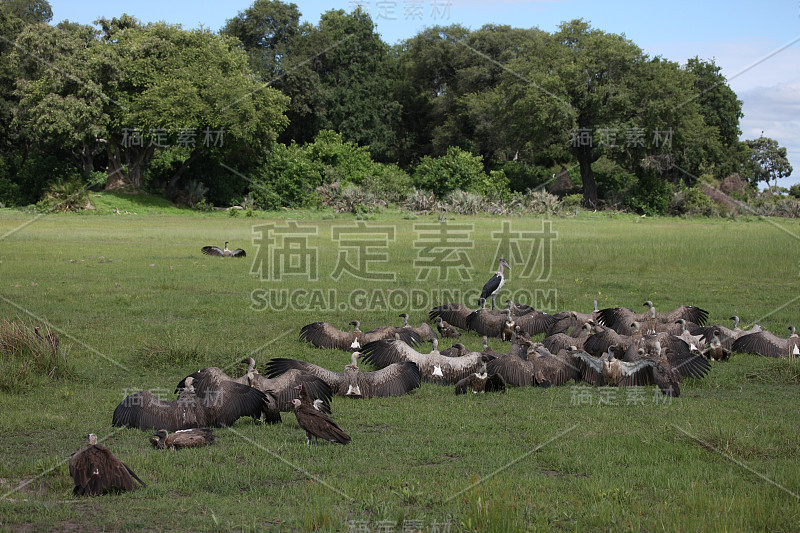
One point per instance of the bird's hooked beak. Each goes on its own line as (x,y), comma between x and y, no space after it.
(505,264)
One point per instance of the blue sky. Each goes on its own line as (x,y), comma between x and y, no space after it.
(757,44)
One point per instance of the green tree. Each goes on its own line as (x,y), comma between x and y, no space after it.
(142,87)
(266,29)
(768,160)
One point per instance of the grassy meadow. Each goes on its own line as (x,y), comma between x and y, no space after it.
(137,306)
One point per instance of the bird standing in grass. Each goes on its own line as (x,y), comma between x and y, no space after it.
(496,282)
(317,424)
(95,471)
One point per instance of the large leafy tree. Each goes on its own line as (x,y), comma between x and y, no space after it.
(266,30)
(768,160)
(140,89)
(340,77)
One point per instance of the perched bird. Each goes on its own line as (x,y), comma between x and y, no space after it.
(621,318)
(324,335)
(393,380)
(768,344)
(538,366)
(456,350)
(224,252)
(318,424)
(51,338)
(95,471)
(726,336)
(445,329)
(496,282)
(216,403)
(481,381)
(183,438)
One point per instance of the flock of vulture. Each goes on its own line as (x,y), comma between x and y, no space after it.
(607,347)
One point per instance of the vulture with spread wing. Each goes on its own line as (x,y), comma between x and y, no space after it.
(393,380)
(324,335)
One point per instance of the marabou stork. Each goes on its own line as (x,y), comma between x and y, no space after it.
(496,282)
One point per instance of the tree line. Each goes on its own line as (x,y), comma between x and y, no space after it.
(270,108)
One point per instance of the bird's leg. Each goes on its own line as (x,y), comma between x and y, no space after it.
(492,302)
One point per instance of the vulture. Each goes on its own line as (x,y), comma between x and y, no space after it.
(393,380)
(486,350)
(481,381)
(433,366)
(50,338)
(279,392)
(562,341)
(445,329)
(621,318)
(495,323)
(496,282)
(686,362)
(215,403)
(715,350)
(454,314)
(565,320)
(608,370)
(769,345)
(283,389)
(694,341)
(324,335)
(456,350)
(599,343)
(541,367)
(95,471)
(726,336)
(223,252)
(318,424)
(183,438)
(425,331)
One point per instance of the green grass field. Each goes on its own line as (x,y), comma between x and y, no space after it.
(139,307)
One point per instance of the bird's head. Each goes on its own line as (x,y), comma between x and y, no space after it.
(299,388)
(161,433)
(503,263)
(355,324)
(403,315)
(297,403)
(92,439)
(188,384)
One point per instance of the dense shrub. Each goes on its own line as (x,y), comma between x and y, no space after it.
(27,360)
(456,169)
(652,195)
(692,201)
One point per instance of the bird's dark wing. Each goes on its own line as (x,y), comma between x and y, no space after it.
(690,313)
(382,353)
(95,469)
(209,374)
(144,410)
(491,286)
(279,365)
(487,322)
(238,253)
(396,379)
(513,370)
(455,314)
(764,343)
(535,322)
(613,315)
(282,387)
(599,343)
(324,335)
(213,250)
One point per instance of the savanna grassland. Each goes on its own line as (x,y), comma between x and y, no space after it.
(138,307)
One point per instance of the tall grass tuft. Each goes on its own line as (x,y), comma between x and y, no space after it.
(26,359)
(172,350)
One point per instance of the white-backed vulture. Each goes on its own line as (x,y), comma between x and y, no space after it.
(481,381)
(715,350)
(393,380)
(768,344)
(445,329)
(621,318)
(541,368)
(433,366)
(223,252)
(183,438)
(324,335)
(454,314)
(425,331)
(216,403)
(95,471)
(608,370)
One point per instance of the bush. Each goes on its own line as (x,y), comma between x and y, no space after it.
(65,195)
(652,196)
(456,169)
(794,190)
(693,201)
